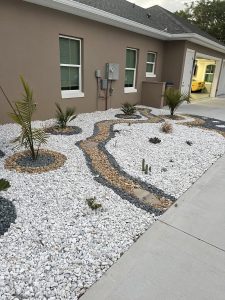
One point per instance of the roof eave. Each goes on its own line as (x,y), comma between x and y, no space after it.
(200,40)
(89,12)
(92,13)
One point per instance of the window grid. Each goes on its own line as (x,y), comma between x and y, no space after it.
(151,63)
(72,65)
(132,69)
(209,73)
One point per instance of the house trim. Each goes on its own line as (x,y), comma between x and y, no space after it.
(89,12)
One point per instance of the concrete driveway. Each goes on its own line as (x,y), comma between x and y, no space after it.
(212,107)
(182,256)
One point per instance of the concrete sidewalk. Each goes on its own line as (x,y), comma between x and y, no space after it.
(182,256)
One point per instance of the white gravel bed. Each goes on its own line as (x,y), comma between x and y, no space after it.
(175,165)
(58,246)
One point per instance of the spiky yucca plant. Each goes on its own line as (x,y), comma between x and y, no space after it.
(4,185)
(22,113)
(64,117)
(174,98)
(128,109)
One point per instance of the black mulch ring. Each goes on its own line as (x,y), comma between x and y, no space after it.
(69,130)
(127,117)
(210,123)
(43,160)
(7,215)
(2,154)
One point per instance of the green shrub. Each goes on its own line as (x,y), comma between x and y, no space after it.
(4,185)
(64,117)
(128,109)
(174,98)
(93,204)
(22,112)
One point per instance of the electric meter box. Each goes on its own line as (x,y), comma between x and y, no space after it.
(112,71)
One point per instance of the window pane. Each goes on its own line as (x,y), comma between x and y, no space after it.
(64,51)
(130,58)
(210,69)
(149,68)
(75,52)
(69,51)
(129,78)
(209,77)
(69,78)
(151,57)
(74,78)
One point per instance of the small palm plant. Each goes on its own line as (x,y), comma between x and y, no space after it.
(174,98)
(4,185)
(64,117)
(22,113)
(128,109)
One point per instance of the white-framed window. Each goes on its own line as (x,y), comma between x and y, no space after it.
(209,73)
(70,67)
(150,64)
(130,71)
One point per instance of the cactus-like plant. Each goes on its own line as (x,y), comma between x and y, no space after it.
(146,169)
(143,165)
(4,185)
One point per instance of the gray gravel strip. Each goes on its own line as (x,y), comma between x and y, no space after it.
(74,130)
(2,154)
(211,123)
(7,215)
(43,160)
(128,117)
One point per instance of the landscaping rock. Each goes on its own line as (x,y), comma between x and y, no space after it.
(69,130)
(7,215)
(127,117)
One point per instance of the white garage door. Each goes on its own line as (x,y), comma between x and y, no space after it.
(221,85)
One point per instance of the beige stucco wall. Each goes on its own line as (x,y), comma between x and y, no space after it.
(30,46)
(174,53)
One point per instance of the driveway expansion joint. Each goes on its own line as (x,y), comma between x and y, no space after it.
(192,236)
